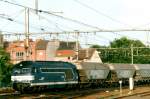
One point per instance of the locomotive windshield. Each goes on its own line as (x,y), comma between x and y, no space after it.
(22,70)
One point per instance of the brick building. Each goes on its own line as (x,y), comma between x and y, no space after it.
(17,50)
(40,50)
(50,50)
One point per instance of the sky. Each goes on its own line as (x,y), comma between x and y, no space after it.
(104,14)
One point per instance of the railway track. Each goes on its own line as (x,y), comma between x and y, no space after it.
(69,94)
(139,95)
(78,94)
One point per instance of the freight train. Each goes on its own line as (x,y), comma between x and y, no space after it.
(30,76)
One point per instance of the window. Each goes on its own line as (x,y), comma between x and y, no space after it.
(34,70)
(26,70)
(19,55)
(68,72)
(21,71)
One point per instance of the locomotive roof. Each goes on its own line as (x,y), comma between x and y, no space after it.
(45,64)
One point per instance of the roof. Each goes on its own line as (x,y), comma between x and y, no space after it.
(85,53)
(41,44)
(65,53)
(67,45)
(44,64)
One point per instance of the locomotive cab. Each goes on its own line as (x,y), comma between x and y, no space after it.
(28,75)
(23,73)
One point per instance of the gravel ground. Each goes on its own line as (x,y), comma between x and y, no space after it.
(115,94)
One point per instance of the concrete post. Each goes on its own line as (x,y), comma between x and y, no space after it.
(120,82)
(131,83)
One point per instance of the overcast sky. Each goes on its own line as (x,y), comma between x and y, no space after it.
(104,14)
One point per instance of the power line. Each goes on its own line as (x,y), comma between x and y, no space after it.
(49,21)
(56,24)
(50,13)
(97,29)
(12,19)
(100,13)
(18,22)
(6,17)
(76,21)
(92,31)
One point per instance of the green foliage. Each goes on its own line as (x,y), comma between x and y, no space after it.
(97,46)
(5,67)
(125,43)
(119,51)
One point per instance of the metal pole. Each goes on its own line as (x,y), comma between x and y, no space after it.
(77,44)
(36,6)
(131,80)
(27,32)
(131,53)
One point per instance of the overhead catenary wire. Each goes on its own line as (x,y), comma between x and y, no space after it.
(101,13)
(81,32)
(51,13)
(49,21)
(6,17)
(18,33)
(10,18)
(76,21)
(94,28)
(18,22)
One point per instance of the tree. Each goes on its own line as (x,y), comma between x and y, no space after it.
(119,51)
(95,46)
(125,43)
(5,67)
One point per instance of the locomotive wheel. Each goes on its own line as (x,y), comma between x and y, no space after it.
(40,88)
(21,88)
(27,89)
(15,86)
(31,89)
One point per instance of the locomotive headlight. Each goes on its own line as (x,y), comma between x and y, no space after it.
(22,78)
(76,77)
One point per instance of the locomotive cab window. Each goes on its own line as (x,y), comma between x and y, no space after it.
(22,71)
(68,72)
(26,70)
(34,70)
(16,71)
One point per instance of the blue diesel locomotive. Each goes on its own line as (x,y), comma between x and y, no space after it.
(37,75)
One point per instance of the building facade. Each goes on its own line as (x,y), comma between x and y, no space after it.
(53,50)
